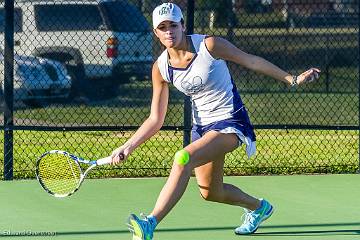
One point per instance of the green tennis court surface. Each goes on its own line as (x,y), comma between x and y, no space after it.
(306,207)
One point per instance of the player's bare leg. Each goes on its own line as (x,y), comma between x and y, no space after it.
(212,188)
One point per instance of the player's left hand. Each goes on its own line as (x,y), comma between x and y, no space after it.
(308,76)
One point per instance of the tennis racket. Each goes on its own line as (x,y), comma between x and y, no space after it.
(60,174)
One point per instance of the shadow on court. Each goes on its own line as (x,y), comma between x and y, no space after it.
(310,233)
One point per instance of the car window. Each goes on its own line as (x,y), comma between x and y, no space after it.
(67,17)
(17,20)
(124,17)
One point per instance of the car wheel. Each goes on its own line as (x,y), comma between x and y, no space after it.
(125,77)
(102,88)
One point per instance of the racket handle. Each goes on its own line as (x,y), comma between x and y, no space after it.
(104,161)
(107,160)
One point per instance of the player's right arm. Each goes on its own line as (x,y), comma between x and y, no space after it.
(153,123)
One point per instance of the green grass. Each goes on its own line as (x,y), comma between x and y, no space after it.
(335,80)
(279,152)
(264,108)
(303,109)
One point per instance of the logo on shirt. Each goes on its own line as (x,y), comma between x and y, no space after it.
(193,86)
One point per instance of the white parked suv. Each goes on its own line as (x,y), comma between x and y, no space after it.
(108,39)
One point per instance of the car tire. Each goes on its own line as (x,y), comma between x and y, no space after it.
(102,88)
(125,78)
(77,74)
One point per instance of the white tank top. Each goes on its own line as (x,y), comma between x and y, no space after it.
(207,81)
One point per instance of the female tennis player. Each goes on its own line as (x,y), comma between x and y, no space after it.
(195,65)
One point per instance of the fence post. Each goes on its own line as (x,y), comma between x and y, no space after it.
(187,102)
(359,81)
(8,89)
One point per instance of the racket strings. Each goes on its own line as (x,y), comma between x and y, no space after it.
(59,174)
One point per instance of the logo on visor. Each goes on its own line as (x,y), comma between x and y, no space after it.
(164,10)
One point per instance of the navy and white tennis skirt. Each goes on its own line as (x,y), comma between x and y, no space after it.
(238,124)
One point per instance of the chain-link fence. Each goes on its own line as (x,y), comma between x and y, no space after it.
(80,82)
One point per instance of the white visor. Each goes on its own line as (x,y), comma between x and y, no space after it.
(166,12)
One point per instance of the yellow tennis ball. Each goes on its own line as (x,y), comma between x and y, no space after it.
(182,157)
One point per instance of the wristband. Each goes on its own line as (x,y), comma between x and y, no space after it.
(294,81)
